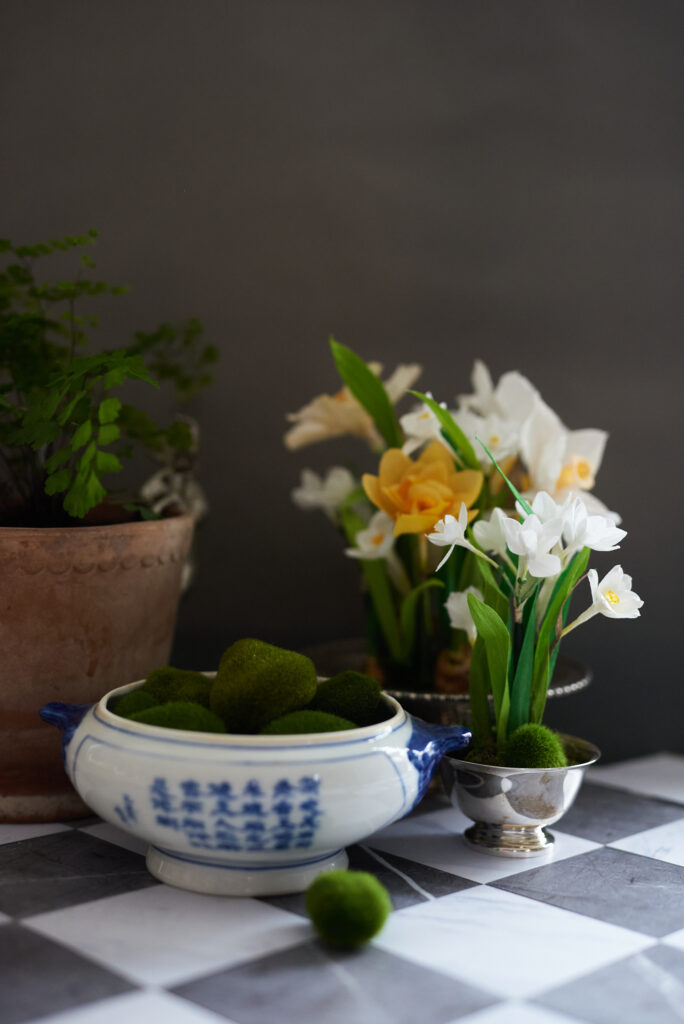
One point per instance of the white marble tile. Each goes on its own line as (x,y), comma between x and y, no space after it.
(676,939)
(17,833)
(504,943)
(517,1013)
(138,1008)
(112,834)
(665,842)
(660,775)
(165,936)
(437,840)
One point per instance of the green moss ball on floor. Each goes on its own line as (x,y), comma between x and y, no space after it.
(533,746)
(168,683)
(297,722)
(181,715)
(350,695)
(257,682)
(347,908)
(136,700)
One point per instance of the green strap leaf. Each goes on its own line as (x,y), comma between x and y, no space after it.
(565,584)
(407,614)
(369,391)
(480,688)
(514,491)
(522,680)
(451,430)
(497,642)
(494,596)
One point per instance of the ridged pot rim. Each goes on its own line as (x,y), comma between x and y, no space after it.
(591,750)
(245,740)
(100,529)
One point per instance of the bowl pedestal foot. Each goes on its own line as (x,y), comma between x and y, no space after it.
(226,878)
(509,840)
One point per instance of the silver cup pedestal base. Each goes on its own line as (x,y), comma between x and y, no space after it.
(509,840)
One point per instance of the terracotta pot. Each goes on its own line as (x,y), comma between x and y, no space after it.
(82,610)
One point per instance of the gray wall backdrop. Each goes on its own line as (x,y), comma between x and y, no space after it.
(430,181)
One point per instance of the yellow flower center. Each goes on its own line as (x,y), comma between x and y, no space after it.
(612,597)
(577,472)
(425,416)
(494,440)
(378,539)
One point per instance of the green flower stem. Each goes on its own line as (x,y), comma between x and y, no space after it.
(381,595)
(379,588)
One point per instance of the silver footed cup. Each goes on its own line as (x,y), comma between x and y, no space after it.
(512,807)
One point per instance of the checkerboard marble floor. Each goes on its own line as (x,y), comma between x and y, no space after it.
(594,934)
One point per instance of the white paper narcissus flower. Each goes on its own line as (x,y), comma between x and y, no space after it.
(489,534)
(613,595)
(450,532)
(512,400)
(533,540)
(335,415)
(376,541)
(420,426)
(500,435)
(580,530)
(327,494)
(558,460)
(459,612)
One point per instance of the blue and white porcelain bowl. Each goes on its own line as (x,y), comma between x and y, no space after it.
(248,815)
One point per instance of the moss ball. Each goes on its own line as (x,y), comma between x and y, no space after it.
(136,700)
(196,689)
(350,695)
(382,712)
(257,682)
(306,721)
(180,715)
(167,683)
(347,908)
(533,746)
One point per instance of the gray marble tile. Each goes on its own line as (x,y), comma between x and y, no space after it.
(43,978)
(65,869)
(610,885)
(605,814)
(312,983)
(647,988)
(407,881)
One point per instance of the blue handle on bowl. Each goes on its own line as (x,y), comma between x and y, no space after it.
(66,717)
(428,744)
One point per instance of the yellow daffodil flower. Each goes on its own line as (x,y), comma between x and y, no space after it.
(417,494)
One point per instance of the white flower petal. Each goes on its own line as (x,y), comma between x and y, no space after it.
(542,566)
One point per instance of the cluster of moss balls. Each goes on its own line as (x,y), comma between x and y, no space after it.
(258,689)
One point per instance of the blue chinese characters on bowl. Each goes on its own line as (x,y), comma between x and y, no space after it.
(248,815)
